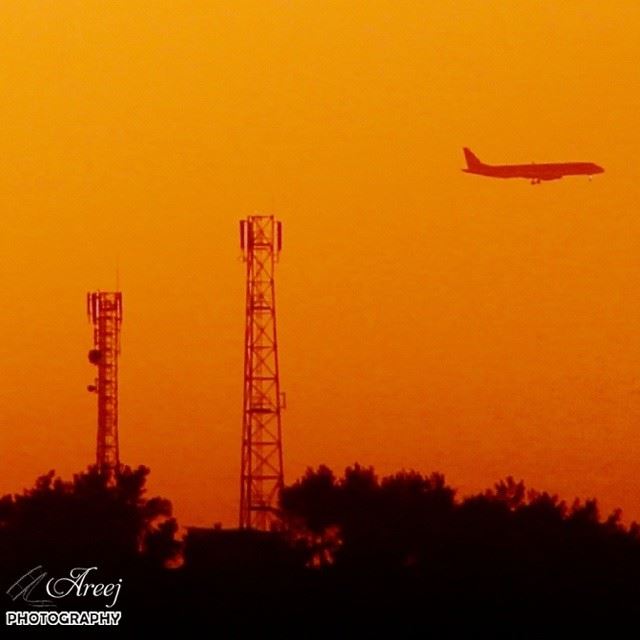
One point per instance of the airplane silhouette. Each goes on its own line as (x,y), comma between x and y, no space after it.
(536,173)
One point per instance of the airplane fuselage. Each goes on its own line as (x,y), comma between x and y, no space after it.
(534,172)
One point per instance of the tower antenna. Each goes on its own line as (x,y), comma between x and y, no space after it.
(104,309)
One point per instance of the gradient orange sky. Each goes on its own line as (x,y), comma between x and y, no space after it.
(428,319)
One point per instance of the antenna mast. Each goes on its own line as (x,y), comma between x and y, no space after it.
(104,309)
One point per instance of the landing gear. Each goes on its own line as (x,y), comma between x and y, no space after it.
(535,181)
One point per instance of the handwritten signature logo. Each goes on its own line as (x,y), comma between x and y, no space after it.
(35,591)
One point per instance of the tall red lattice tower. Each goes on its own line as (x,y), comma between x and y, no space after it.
(261,475)
(104,309)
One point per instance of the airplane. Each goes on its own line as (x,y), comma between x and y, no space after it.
(536,173)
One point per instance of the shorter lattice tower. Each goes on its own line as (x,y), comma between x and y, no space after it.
(104,309)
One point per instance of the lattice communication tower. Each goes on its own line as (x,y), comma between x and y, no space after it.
(104,309)
(261,465)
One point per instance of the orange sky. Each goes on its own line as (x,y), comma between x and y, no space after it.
(428,319)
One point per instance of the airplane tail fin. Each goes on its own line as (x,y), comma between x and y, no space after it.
(472,160)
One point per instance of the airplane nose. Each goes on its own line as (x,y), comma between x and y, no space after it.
(599,169)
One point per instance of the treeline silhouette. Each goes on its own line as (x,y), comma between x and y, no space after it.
(403,550)
(405,546)
(87,521)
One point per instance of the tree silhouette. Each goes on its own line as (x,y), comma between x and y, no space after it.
(507,552)
(88,520)
(387,520)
